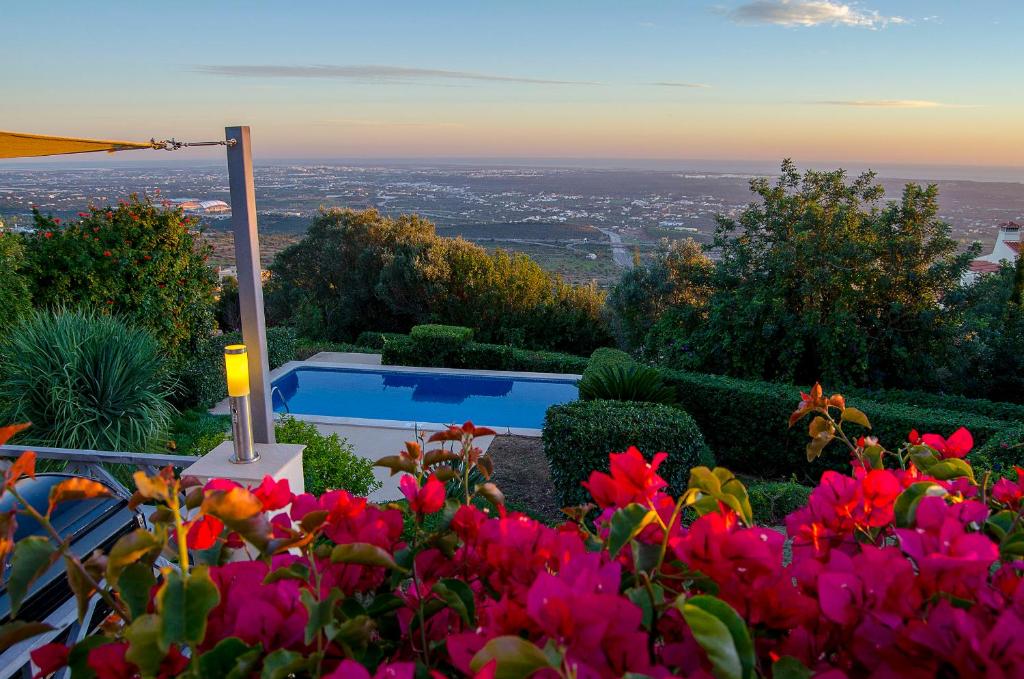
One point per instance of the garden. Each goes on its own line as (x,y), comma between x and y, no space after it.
(700,510)
(907,563)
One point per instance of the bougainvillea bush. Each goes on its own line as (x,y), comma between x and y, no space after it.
(140,259)
(907,566)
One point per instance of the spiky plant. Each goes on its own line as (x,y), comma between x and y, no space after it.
(84,381)
(626,383)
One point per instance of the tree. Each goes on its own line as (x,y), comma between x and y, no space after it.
(138,260)
(365,271)
(678,279)
(819,279)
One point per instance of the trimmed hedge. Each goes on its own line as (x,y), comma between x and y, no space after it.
(375,339)
(745,421)
(772,501)
(998,410)
(606,357)
(579,435)
(438,345)
(1000,453)
(479,356)
(202,374)
(305,349)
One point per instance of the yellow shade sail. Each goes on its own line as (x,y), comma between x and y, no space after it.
(21,145)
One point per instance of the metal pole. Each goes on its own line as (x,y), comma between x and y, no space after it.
(250,283)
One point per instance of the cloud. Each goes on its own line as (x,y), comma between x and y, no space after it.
(355,122)
(809,13)
(668,83)
(891,103)
(372,73)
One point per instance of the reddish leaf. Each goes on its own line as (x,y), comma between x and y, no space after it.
(77,488)
(25,465)
(10,430)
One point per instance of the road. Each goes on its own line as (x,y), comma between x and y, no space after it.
(620,252)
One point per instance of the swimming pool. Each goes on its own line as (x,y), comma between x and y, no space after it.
(421,396)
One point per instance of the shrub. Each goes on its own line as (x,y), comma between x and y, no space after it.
(137,260)
(400,350)
(328,462)
(606,356)
(375,339)
(773,501)
(1001,452)
(15,297)
(626,383)
(85,381)
(197,432)
(227,310)
(438,345)
(306,348)
(202,373)
(578,436)
(997,410)
(755,439)
(903,568)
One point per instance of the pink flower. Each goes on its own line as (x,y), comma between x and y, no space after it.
(426,499)
(50,658)
(203,532)
(957,445)
(632,479)
(273,494)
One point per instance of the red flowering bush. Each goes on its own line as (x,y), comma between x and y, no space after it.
(138,259)
(908,566)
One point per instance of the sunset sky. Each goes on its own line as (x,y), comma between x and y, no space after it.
(914,81)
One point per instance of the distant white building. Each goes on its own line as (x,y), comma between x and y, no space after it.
(1006,249)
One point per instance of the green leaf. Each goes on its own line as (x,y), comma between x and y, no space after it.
(627,524)
(321,612)
(32,556)
(642,600)
(788,667)
(363,554)
(246,664)
(129,549)
(282,663)
(516,657)
(184,604)
(383,604)
(856,416)
(722,634)
(951,468)
(907,502)
(144,648)
(19,630)
(222,658)
(295,571)
(134,585)
(459,598)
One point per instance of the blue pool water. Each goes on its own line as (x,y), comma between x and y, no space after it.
(420,397)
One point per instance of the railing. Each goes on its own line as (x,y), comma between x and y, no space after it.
(90,462)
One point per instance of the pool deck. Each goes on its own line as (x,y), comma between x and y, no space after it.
(373,439)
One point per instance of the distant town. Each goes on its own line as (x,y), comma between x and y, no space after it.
(583,223)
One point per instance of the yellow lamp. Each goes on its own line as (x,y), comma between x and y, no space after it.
(236,365)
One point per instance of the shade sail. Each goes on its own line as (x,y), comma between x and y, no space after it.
(21,145)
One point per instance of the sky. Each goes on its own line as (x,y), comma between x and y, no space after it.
(922,82)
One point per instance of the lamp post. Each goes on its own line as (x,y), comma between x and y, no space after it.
(236,365)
